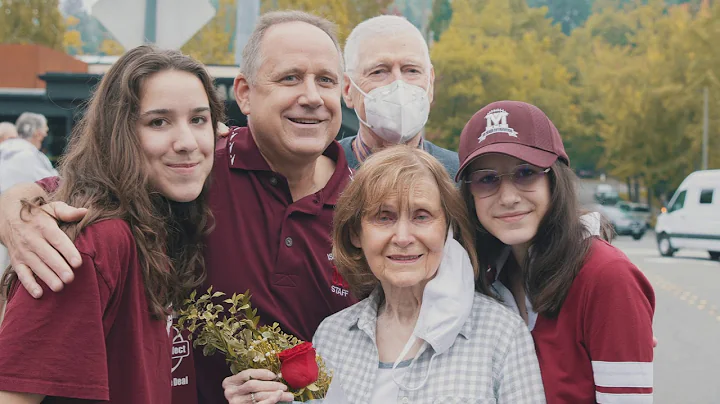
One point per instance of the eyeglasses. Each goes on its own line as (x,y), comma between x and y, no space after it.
(485,183)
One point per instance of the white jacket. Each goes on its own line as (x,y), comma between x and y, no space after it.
(21,161)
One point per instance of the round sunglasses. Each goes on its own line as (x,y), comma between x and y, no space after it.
(486,183)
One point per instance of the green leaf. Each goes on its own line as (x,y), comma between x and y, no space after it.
(209,350)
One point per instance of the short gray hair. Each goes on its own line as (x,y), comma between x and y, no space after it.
(7,131)
(381,26)
(28,123)
(252,53)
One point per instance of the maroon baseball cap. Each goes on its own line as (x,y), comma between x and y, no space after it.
(514,128)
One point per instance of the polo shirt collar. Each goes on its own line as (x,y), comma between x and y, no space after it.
(244,154)
(365,317)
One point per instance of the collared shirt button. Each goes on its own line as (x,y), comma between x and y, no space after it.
(273,180)
(405,400)
(288,241)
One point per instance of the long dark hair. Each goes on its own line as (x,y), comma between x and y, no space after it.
(559,246)
(104,170)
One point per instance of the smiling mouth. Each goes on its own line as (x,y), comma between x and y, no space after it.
(513,217)
(303,121)
(405,258)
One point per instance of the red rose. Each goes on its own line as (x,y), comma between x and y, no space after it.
(298,365)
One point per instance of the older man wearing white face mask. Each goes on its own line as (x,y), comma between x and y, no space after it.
(389,83)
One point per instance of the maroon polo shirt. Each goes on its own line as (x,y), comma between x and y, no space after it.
(95,341)
(264,242)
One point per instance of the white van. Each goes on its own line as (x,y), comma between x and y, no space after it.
(692,219)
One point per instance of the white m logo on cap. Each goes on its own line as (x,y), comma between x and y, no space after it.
(497,123)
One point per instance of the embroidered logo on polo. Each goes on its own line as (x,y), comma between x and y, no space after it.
(339,285)
(497,123)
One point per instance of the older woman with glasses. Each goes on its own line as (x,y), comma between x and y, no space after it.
(590,310)
(421,333)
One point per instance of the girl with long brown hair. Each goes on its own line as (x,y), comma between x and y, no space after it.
(589,309)
(139,161)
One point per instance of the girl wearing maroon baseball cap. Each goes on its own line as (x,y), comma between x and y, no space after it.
(139,162)
(589,309)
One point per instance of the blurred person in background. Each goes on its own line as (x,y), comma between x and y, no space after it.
(21,159)
(18,157)
(7,131)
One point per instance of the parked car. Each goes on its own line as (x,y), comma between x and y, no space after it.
(605,194)
(692,218)
(623,223)
(639,211)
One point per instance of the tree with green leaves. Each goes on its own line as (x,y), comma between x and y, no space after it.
(213,43)
(439,19)
(493,54)
(32,21)
(649,96)
(345,13)
(72,39)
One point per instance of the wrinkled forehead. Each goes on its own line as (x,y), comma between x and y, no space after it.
(298,43)
(398,47)
(404,193)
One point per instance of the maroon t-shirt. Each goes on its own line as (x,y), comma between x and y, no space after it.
(95,340)
(264,242)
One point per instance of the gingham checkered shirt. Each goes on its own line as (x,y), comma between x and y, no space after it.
(491,361)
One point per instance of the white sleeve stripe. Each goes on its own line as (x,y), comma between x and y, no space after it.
(609,398)
(623,374)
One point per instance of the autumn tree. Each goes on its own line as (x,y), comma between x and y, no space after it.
(32,21)
(72,39)
(213,44)
(336,11)
(647,94)
(499,51)
(345,13)
(111,47)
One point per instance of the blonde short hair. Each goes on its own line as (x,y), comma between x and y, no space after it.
(380,176)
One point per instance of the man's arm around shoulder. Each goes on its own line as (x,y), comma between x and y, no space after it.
(35,243)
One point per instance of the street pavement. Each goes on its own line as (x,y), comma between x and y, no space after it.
(687,321)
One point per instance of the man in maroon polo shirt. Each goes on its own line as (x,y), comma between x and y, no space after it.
(274,187)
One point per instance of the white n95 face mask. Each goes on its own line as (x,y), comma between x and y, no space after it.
(396,112)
